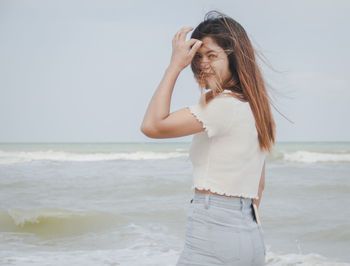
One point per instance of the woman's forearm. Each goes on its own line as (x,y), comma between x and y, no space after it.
(261,186)
(159,106)
(182,55)
(257,201)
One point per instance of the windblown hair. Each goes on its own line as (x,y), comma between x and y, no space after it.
(246,81)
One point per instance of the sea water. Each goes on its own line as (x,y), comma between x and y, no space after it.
(126,203)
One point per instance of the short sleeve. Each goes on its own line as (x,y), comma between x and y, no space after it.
(217,116)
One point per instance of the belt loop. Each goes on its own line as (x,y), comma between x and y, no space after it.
(242,203)
(206,201)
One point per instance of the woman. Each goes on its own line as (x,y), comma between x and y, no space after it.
(234,131)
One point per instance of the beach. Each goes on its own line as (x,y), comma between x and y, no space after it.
(126,203)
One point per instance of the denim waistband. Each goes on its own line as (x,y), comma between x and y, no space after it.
(222,201)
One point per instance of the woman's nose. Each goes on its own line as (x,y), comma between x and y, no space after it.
(205,60)
(205,64)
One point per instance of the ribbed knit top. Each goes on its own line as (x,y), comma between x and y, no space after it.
(226,156)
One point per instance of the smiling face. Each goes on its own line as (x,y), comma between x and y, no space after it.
(213,63)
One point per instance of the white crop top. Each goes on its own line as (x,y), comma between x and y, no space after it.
(226,156)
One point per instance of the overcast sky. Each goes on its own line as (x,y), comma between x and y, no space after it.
(85,71)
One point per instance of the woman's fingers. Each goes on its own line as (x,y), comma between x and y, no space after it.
(177,35)
(195,47)
(183,51)
(192,42)
(181,34)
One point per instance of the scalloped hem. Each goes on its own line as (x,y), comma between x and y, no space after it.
(199,119)
(224,193)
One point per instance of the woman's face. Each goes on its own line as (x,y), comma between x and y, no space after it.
(213,61)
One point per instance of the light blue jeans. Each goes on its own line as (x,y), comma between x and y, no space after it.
(222,231)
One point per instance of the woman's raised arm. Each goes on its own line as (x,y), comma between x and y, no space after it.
(157,122)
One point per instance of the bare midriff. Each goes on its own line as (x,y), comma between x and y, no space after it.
(203,191)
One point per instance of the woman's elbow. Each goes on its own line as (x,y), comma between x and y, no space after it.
(149,131)
(145,130)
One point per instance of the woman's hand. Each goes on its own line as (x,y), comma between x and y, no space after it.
(183,52)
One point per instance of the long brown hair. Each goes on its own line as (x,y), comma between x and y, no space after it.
(246,80)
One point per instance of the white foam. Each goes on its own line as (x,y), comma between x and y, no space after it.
(313,157)
(150,245)
(19,157)
(29,216)
(120,257)
(311,259)
(147,245)
(147,256)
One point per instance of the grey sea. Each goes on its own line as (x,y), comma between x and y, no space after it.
(126,203)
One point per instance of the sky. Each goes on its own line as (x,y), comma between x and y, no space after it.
(85,71)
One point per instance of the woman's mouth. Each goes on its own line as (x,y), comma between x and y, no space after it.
(208,74)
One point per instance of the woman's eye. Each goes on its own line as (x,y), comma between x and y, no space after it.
(212,56)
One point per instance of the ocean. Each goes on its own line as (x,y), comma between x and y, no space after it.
(126,203)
